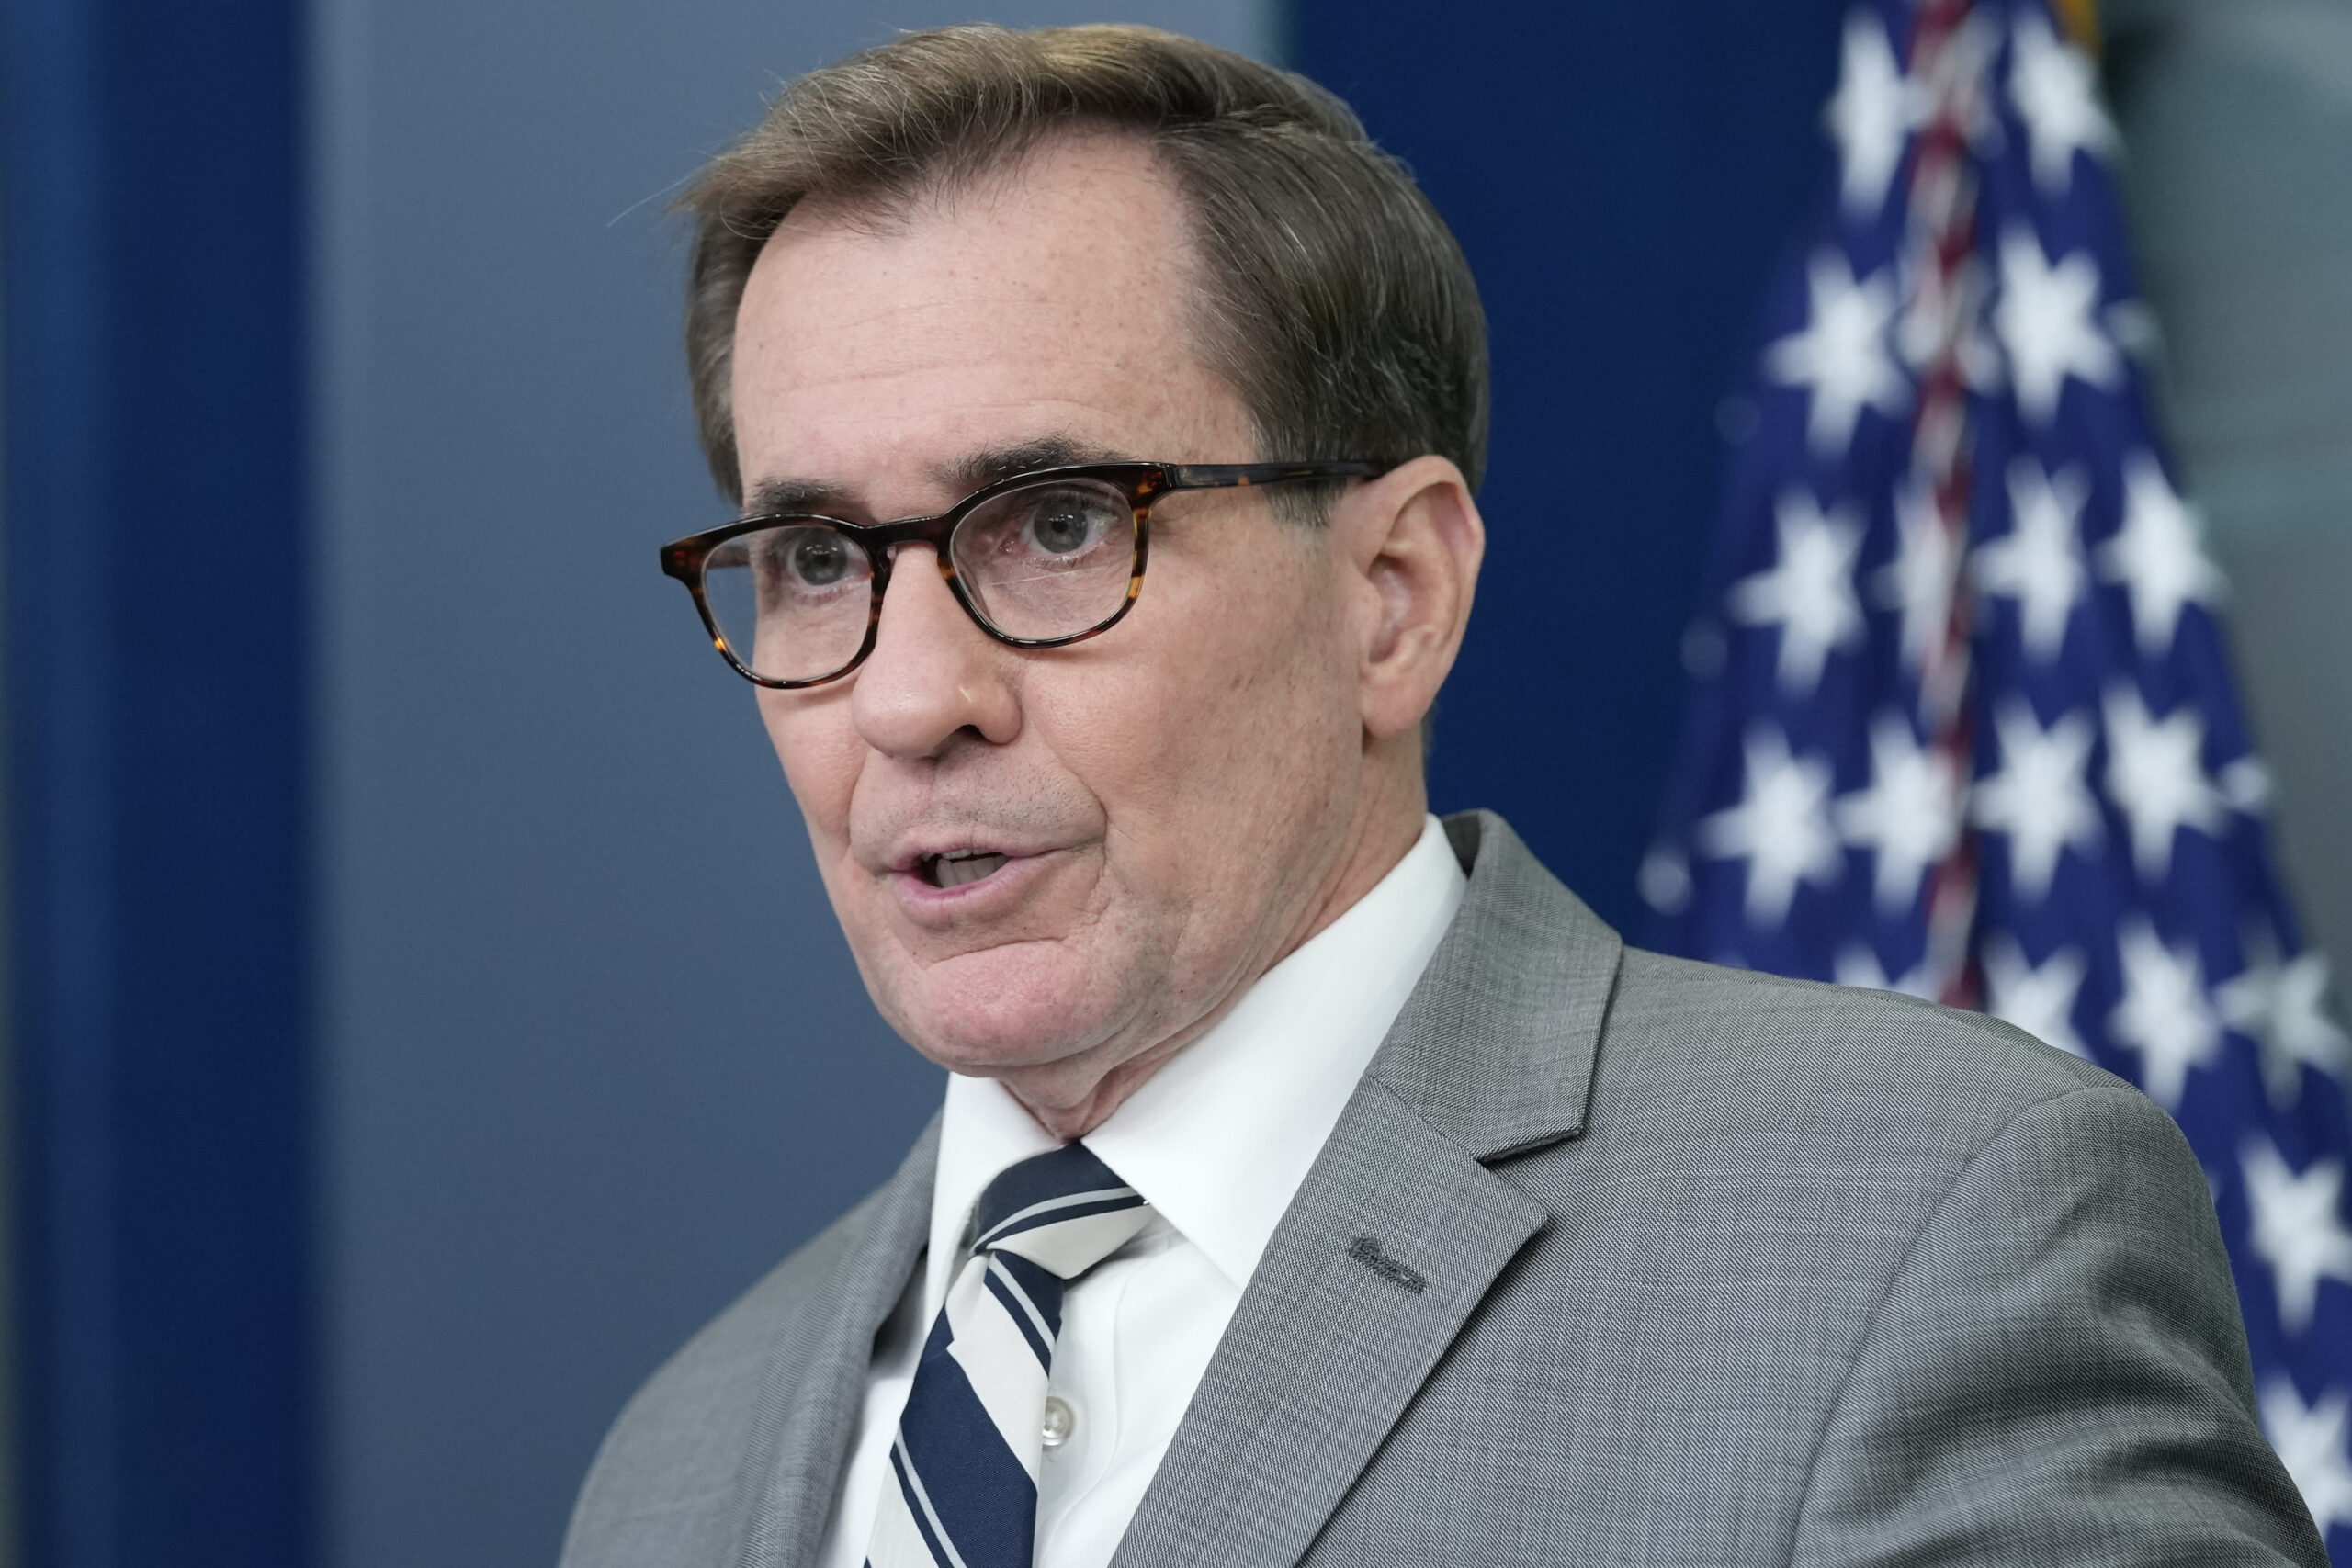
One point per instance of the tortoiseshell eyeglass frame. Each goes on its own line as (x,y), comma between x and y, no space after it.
(1141,483)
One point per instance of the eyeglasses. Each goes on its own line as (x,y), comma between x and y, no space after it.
(1037,561)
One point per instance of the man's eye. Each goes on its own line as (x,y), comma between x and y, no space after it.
(819,560)
(1066,524)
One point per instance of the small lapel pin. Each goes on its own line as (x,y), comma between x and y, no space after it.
(1366,1251)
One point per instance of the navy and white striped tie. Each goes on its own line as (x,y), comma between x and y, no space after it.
(962,1486)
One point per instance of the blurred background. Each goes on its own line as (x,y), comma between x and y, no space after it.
(421,1012)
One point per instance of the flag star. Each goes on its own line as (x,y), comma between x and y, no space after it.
(2245,784)
(1870,115)
(1907,816)
(1809,593)
(1780,826)
(1665,879)
(2157,554)
(2047,322)
(1919,581)
(1858,965)
(2038,799)
(2164,1014)
(2283,1006)
(2039,562)
(1843,354)
(2055,90)
(2132,328)
(2038,999)
(2311,1440)
(2156,771)
(2297,1229)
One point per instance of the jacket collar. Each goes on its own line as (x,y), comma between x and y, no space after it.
(1496,1048)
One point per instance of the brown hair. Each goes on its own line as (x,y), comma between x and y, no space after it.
(1337,302)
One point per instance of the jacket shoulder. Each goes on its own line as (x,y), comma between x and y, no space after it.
(1677,1020)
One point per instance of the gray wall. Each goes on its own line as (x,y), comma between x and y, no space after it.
(2238,120)
(595,1057)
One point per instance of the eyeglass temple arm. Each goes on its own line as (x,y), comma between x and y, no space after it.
(1217,476)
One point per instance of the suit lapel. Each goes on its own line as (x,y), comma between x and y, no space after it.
(807,1413)
(1392,1242)
(1399,1230)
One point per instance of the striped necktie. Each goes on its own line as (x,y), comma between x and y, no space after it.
(963,1485)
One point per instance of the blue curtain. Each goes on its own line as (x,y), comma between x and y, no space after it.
(156,743)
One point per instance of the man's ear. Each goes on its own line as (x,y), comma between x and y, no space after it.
(1413,540)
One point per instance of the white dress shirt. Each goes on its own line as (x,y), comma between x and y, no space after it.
(1217,1141)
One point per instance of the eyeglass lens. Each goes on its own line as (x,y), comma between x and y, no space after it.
(1037,562)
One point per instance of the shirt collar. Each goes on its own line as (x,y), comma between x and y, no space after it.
(1218,1140)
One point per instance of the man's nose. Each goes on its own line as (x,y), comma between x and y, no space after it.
(932,673)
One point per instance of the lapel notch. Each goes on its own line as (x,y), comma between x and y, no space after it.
(1496,1046)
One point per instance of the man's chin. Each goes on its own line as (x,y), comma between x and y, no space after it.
(998,1048)
(995,1021)
(1019,1006)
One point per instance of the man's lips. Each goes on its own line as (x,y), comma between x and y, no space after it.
(966,852)
(948,890)
(961,868)
(937,869)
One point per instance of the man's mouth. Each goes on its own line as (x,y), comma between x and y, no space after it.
(958,867)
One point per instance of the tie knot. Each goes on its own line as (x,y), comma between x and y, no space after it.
(1065,1211)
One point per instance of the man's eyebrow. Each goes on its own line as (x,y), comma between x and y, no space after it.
(960,477)
(777,497)
(977,469)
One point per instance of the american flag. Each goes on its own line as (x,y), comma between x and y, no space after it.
(1962,720)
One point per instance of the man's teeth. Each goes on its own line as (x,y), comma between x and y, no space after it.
(955,870)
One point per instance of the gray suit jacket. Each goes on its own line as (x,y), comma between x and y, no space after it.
(1617,1259)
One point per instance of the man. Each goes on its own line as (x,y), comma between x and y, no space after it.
(1316,1182)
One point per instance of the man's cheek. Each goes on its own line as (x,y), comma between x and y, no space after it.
(822,774)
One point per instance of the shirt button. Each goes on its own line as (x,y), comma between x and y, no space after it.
(1060,1421)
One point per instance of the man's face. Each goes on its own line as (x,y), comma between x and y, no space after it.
(1175,799)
